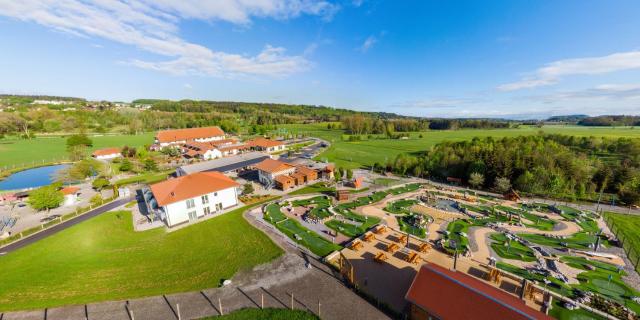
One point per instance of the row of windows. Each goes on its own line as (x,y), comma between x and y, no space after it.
(191,203)
(207,210)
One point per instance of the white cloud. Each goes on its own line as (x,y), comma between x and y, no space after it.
(553,72)
(609,92)
(368,43)
(152,25)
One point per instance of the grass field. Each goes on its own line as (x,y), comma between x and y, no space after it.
(104,259)
(511,250)
(367,152)
(26,152)
(306,237)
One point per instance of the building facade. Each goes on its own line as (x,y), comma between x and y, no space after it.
(167,138)
(193,196)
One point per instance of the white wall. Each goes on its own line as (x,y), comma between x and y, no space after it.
(177,212)
(109,156)
(212,154)
(267,177)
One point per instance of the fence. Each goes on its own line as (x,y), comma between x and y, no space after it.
(46,225)
(627,244)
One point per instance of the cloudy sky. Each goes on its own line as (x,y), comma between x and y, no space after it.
(510,58)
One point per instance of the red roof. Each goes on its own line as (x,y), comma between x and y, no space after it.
(106,152)
(273,166)
(264,143)
(190,186)
(188,134)
(69,190)
(448,294)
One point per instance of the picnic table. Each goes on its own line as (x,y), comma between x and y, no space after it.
(380,257)
(368,237)
(356,245)
(425,247)
(392,247)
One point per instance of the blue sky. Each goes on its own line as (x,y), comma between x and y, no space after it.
(510,58)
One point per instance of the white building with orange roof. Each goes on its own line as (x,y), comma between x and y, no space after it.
(71,194)
(266,145)
(166,138)
(107,153)
(190,197)
(269,169)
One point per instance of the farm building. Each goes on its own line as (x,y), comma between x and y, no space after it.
(283,175)
(181,136)
(107,154)
(193,196)
(70,195)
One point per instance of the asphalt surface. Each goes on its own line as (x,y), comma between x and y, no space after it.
(64,225)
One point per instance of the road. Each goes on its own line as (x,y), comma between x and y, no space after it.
(64,225)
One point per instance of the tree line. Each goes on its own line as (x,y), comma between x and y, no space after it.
(361,124)
(554,166)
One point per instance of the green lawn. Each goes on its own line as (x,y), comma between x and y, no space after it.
(626,228)
(406,226)
(266,314)
(400,206)
(274,214)
(511,249)
(146,178)
(348,229)
(367,152)
(579,240)
(27,152)
(104,259)
(316,243)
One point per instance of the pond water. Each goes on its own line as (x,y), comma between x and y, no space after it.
(31,178)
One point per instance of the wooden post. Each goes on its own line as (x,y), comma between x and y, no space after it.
(178,310)
(318,308)
(131,315)
(262,301)
(291,300)
(220,306)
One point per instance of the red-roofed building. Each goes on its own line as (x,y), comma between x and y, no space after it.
(180,136)
(266,145)
(70,195)
(440,293)
(192,196)
(107,154)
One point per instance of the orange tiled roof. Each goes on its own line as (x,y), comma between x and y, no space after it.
(106,152)
(437,289)
(272,166)
(188,134)
(305,171)
(69,190)
(264,143)
(190,186)
(284,179)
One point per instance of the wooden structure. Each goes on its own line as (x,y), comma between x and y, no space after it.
(494,275)
(425,247)
(342,195)
(368,237)
(380,230)
(412,257)
(346,268)
(454,180)
(392,247)
(402,239)
(512,195)
(356,245)
(380,257)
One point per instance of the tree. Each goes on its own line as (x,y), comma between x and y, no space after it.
(502,184)
(476,179)
(45,198)
(126,165)
(338,175)
(150,165)
(100,183)
(96,200)
(349,174)
(247,188)
(78,140)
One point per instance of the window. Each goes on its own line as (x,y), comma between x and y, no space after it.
(218,206)
(205,199)
(192,215)
(215,194)
(207,210)
(191,203)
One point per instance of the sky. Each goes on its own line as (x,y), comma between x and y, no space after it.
(502,58)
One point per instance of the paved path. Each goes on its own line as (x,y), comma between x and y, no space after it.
(63,225)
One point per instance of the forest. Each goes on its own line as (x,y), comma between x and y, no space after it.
(608,121)
(555,166)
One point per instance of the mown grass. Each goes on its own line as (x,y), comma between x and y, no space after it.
(105,259)
(23,152)
(511,249)
(354,154)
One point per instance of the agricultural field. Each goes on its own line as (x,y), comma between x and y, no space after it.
(355,154)
(106,255)
(21,152)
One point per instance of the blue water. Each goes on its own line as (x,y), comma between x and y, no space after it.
(31,178)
